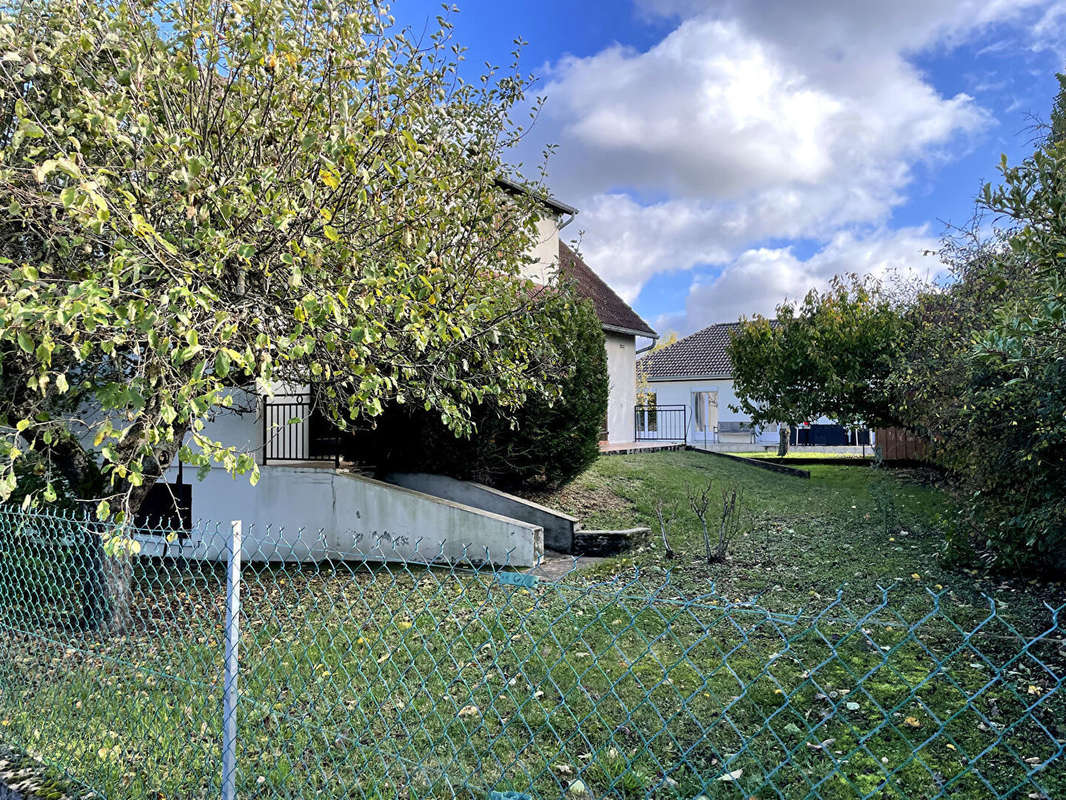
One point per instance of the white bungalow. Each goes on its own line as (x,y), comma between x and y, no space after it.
(689,397)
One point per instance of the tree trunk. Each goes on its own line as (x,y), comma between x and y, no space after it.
(784,438)
(115,583)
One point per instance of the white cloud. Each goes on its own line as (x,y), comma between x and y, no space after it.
(754,120)
(759,279)
(1049,33)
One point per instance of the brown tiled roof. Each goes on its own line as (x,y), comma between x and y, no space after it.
(612,310)
(700,353)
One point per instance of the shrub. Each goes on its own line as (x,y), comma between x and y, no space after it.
(984,377)
(546,444)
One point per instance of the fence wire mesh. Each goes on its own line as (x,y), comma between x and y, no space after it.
(363,676)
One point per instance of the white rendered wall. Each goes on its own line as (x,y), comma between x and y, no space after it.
(622,380)
(545,252)
(313,513)
(670,393)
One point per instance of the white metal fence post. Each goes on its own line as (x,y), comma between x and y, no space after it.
(229,696)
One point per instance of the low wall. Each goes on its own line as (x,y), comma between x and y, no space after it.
(761,463)
(558,527)
(758,447)
(311,514)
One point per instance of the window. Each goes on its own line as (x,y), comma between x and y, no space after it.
(167,507)
(649,412)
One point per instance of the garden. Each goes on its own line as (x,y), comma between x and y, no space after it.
(830,654)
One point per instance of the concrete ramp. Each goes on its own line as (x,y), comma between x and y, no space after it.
(312,514)
(558,527)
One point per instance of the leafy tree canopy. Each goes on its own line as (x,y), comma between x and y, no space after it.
(204,195)
(984,378)
(829,355)
(544,443)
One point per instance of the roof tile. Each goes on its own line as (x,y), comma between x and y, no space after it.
(611,309)
(703,353)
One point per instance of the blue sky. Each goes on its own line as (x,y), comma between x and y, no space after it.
(728,154)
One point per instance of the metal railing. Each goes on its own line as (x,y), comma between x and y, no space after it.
(369,675)
(661,423)
(293,431)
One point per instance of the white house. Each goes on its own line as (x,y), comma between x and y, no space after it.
(621,327)
(689,395)
(621,324)
(308,505)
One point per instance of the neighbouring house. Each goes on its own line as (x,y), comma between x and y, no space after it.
(687,395)
(310,505)
(621,328)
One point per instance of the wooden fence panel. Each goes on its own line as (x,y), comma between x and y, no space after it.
(897,444)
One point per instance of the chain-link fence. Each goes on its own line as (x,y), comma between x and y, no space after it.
(365,677)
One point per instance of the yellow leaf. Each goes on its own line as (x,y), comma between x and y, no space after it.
(329,179)
(912,722)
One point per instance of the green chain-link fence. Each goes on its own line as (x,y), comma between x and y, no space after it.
(365,678)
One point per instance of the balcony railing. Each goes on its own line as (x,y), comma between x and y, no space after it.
(661,423)
(294,430)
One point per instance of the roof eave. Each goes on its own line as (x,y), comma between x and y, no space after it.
(630,331)
(711,376)
(550,202)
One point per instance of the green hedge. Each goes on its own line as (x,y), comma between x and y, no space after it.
(542,444)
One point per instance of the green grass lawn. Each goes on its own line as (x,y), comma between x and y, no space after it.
(848,526)
(800,455)
(639,677)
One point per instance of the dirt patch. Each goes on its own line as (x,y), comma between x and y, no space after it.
(587,503)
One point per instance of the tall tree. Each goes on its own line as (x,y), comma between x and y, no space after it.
(828,356)
(201,196)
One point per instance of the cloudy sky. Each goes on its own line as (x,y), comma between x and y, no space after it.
(727,154)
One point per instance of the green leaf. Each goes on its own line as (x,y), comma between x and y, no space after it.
(222,364)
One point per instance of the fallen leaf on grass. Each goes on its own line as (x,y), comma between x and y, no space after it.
(731,776)
(823,745)
(470,711)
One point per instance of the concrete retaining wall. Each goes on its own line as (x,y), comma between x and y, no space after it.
(761,463)
(310,514)
(558,527)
